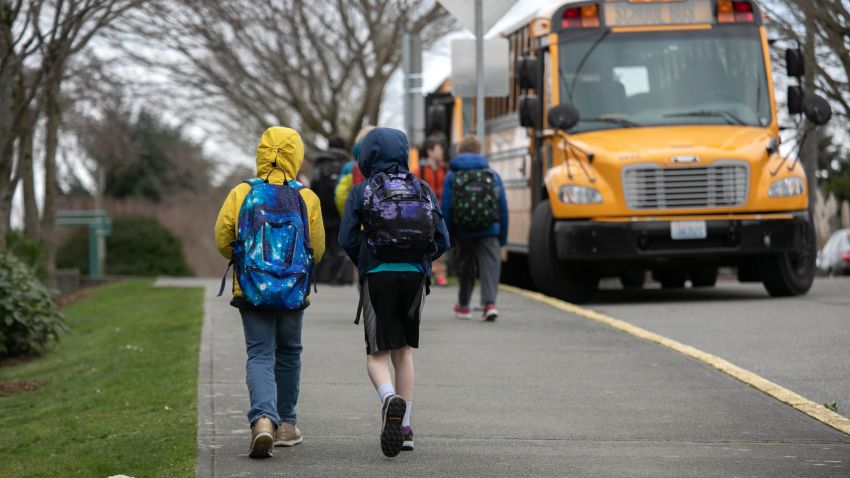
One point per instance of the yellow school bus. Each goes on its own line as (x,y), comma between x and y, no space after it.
(642,136)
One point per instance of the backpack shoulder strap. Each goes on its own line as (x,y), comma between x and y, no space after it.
(254,182)
(378,179)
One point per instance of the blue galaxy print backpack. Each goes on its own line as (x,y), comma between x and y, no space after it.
(271,254)
(400,218)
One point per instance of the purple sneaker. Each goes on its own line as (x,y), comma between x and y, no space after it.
(407,433)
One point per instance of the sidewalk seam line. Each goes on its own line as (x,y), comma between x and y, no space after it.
(795,400)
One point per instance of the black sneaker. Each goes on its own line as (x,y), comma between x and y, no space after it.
(392,415)
(407,433)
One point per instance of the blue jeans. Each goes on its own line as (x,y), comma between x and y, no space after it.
(273,372)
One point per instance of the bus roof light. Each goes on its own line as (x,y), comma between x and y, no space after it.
(737,11)
(572,18)
(743,12)
(590,16)
(586,16)
(725,11)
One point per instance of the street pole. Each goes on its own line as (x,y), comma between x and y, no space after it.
(414,102)
(101,239)
(479,71)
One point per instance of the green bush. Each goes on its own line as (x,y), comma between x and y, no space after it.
(29,250)
(30,320)
(138,246)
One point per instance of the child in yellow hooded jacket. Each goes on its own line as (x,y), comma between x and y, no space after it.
(272,339)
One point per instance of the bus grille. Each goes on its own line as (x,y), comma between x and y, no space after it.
(722,184)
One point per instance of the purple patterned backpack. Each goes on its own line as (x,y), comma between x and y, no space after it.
(399,218)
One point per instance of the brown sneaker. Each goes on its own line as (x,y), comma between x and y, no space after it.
(262,436)
(287,434)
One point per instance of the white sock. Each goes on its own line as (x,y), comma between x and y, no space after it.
(385,390)
(405,422)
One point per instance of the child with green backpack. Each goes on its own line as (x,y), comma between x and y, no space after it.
(476,212)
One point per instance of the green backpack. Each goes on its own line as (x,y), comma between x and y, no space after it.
(475,199)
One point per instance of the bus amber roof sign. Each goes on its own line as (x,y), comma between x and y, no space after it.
(627,14)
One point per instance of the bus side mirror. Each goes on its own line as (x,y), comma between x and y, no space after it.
(817,109)
(563,117)
(529,111)
(795,62)
(795,100)
(526,73)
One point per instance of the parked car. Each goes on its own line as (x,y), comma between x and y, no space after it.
(834,258)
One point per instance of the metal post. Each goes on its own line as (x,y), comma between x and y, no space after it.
(414,102)
(98,205)
(94,257)
(479,70)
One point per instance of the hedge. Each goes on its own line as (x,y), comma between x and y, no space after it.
(138,246)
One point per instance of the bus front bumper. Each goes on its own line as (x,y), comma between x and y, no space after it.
(598,240)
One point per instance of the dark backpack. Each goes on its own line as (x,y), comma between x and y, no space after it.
(399,218)
(323,182)
(475,199)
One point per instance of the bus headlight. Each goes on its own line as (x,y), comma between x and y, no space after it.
(579,195)
(786,187)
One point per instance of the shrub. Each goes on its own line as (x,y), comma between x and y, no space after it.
(30,320)
(138,246)
(29,250)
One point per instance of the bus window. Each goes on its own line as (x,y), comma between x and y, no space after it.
(714,76)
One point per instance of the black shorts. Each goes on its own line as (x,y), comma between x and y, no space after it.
(392,306)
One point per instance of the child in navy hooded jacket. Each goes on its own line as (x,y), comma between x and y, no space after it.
(392,293)
(478,252)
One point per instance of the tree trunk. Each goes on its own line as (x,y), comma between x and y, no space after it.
(32,228)
(53,114)
(809,149)
(6,150)
(7,190)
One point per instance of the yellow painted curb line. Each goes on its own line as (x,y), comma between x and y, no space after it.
(810,408)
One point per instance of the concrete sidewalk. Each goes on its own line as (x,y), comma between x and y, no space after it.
(538,393)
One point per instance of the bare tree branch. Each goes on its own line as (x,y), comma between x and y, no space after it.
(319,66)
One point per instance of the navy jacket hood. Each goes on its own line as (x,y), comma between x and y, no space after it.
(383,150)
(468,161)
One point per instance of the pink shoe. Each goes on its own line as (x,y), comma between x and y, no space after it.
(441,281)
(462,312)
(490,312)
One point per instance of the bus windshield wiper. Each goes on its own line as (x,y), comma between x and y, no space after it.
(618,121)
(731,118)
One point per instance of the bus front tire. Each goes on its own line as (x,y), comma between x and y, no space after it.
(792,272)
(569,281)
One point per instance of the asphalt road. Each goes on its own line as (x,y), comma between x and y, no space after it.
(801,343)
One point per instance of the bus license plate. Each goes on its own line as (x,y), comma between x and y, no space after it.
(683,230)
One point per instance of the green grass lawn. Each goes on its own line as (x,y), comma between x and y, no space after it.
(119,393)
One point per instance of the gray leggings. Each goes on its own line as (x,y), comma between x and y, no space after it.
(478,258)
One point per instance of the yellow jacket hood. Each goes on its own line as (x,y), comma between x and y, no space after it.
(280,148)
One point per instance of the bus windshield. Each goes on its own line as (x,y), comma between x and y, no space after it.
(618,80)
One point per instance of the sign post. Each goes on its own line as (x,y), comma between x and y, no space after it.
(414,102)
(479,71)
(473,15)
(100,226)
